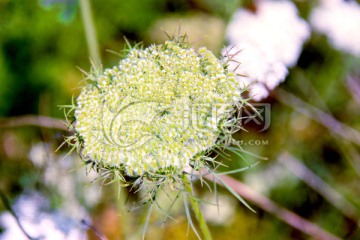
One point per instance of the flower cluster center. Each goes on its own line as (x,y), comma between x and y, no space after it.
(156,110)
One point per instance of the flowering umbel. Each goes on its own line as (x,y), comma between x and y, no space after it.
(156,116)
(158,112)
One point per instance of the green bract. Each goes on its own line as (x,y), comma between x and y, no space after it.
(158,112)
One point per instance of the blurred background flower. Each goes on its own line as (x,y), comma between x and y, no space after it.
(264,42)
(39,221)
(339,21)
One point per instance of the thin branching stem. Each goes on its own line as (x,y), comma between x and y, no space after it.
(294,220)
(315,182)
(348,150)
(197,211)
(7,205)
(90,32)
(33,120)
(92,228)
(325,119)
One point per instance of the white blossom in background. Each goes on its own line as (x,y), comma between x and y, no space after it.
(257,72)
(221,212)
(340,21)
(39,221)
(60,174)
(265,43)
(39,154)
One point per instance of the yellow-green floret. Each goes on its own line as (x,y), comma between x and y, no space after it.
(157,110)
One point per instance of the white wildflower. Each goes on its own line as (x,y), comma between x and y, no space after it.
(154,120)
(257,72)
(59,175)
(39,221)
(39,154)
(340,22)
(221,212)
(72,184)
(270,41)
(154,112)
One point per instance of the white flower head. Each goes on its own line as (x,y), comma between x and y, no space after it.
(255,70)
(152,121)
(268,41)
(340,22)
(159,111)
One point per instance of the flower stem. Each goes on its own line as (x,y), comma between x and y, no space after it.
(197,211)
(121,208)
(90,32)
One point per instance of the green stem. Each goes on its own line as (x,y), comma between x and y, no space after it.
(90,32)
(121,208)
(197,211)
